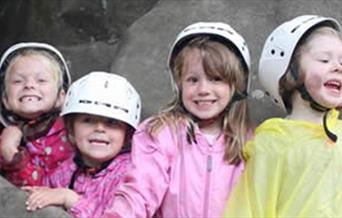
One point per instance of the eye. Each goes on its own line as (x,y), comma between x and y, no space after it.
(17,81)
(87,119)
(42,80)
(113,122)
(216,79)
(324,60)
(192,79)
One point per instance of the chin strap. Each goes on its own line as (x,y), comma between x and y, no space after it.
(314,105)
(83,168)
(330,134)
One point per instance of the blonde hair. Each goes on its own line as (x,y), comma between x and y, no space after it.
(288,84)
(55,65)
(221,61)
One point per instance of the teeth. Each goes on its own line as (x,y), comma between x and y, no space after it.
(98,141)
(30,98)
(334,83)
(205,101)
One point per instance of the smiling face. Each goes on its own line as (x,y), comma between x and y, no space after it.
(205,97)
(31,86)
(321,63)
(98,139)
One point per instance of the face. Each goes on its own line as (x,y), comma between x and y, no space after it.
(98,139)
(31,86)
(322,67)
(203,97)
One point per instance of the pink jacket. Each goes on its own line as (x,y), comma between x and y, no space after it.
(171,179)
(39,158)
(96,190)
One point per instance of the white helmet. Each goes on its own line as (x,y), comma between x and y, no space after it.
(278,50)
(104,94)
(11,51)
(219,31)
(40,46)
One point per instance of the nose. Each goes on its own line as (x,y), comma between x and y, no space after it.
(99,126)
(203,87)
(29,83)
(338,67)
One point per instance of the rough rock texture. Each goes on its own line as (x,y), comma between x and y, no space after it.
(86,31)
(12,204)
(143,52)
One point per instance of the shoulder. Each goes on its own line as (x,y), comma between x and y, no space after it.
(155,128)
(273,135)
(161,137)
(120,163)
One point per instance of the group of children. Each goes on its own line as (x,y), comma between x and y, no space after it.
(82,146)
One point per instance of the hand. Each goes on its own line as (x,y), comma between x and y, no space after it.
(40,197)
(10,141)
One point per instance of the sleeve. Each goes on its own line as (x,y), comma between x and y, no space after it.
(256,192)
(144,186)
(19,162)
(61,176)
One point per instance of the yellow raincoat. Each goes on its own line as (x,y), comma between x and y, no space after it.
(292,170)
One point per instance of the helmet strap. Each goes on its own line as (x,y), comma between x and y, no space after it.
(313,104)
(306,96)
(330,134)
(303,91)
(84,168)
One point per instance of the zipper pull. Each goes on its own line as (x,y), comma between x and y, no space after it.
(209,163)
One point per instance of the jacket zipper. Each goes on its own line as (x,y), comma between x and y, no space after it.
(207,185)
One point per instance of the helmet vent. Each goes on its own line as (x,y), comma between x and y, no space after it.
(104,104)
(294,29)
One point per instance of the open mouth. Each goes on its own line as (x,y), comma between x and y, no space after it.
(98,142)
(204,102)
(334,85)
(29,98)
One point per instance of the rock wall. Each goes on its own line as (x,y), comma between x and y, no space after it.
(12,204)
(143,54)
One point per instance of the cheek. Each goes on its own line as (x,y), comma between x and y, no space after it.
(313,83)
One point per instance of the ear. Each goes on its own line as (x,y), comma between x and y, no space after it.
(5,101)
(60,99)
(71,139)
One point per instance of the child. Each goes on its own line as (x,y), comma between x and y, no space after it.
(101,111)
(187,159)
(33,80)
(294,164)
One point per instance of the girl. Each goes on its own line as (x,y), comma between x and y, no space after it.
(187,159)
(294,164)
(100,125)
(33,81)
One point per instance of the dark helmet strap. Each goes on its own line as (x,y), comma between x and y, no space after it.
(84,168)
(314,105)
(330,134)
(306,96)
(303,91)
